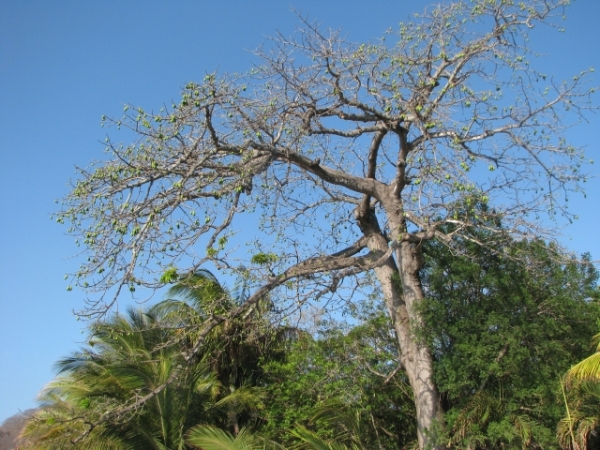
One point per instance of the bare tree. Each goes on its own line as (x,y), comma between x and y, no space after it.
(345,158)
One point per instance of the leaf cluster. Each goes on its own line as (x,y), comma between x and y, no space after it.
(514,320)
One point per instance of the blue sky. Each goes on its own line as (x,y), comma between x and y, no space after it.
(63,64)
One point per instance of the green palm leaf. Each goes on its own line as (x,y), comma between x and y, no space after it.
(589,368)
(311,441)
(212,438)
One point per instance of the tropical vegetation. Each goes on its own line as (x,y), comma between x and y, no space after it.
(508,323)
(349,159)
(400,287)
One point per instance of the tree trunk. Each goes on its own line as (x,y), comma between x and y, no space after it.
(416,357)
(233,419)
(402,290)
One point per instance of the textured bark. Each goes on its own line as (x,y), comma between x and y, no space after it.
(416,357)
(402,290)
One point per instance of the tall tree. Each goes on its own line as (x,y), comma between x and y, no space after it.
(352,155)
(504,326)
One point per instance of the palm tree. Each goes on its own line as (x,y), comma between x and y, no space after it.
(128,356)
(59,422)
(581,392)
(349,427)
(131,356)
(235,350)
(589,368)
(212,438)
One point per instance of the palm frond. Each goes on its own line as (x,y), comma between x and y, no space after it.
(588,369)
(312,441)
(202,290)
(213,438)
(244,398)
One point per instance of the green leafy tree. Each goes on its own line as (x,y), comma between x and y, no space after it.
(365,148)
(331,384)
(504,332)
(128,356)
(131,356)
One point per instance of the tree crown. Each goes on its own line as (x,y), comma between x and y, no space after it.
(326,139)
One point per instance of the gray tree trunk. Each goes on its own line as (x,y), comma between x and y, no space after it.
(402,290)
(416,357)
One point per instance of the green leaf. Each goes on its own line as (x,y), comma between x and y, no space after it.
(264,258)
(170,275)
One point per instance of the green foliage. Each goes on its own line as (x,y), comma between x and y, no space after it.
(130,354)
(212,438)
(312,441)
(145,351)
(506,323)
(169,275)
(588,369)
(201,291)
(580,428)
(503,322)
(264,258)
(337,372)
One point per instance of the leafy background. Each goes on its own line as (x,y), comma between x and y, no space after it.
(64,64)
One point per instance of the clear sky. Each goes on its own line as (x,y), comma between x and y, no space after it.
(63,64)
